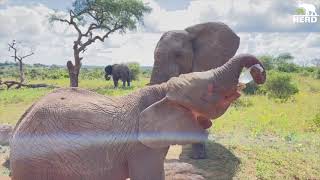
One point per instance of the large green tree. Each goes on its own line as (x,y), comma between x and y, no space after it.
(95,20)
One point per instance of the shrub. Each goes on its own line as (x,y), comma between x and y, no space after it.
(135,70)
(251,88)
(267,61)
(305,73)
(317,74)
(310,69)
(280,86)
(288,67)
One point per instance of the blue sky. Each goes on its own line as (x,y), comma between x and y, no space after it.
(265,27)
(53,4)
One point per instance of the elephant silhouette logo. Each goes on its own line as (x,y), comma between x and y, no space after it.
(306,13)
(310,9)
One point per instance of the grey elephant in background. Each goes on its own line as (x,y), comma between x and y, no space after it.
(118,71)
(197,48)
(74,134)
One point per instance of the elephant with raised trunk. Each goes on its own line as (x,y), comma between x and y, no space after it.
(118,71)
(197,48)
(74,134)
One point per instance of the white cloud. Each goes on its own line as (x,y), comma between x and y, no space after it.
(3,2)
(241,15)
(264,27)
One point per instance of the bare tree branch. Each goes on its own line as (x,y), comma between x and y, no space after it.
(27,55)
(83,46)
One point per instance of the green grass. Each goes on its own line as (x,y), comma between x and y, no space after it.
(272,139)
(14,102)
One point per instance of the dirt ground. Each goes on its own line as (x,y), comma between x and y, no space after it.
(178,165)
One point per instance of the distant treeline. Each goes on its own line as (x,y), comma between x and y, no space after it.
(42,72)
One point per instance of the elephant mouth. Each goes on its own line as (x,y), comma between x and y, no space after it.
(200,119)
(204,122)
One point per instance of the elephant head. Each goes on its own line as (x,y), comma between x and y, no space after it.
(108,72)
(193,99)
(197,48)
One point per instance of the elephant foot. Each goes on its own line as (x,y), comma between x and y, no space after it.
(198,151)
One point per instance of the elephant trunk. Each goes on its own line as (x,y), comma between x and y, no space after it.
(228,74)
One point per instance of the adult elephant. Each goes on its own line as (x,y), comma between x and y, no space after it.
(97,137)
(118,71)
(197,48)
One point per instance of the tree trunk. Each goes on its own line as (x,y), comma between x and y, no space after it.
(21,71)
(73,74)
(74,70)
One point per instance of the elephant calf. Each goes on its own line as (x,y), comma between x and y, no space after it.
(118,71)
(74,134)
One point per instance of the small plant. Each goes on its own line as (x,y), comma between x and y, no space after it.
(316,120)
(280,86)
(242,103)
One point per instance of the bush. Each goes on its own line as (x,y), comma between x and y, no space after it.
(280,86)
(251,88)
(317,74)
(288,67)
(135,70)
(305,73)
(267,61)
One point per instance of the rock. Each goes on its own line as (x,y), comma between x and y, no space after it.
(182,171)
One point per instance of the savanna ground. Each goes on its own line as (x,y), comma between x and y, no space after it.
(257,138)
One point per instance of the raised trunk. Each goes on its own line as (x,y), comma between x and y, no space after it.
(228,74)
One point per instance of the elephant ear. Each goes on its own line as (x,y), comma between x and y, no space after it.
(165,123)
(213,43)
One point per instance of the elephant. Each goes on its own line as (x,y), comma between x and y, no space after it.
(197,48)
(118,71)
(98,137)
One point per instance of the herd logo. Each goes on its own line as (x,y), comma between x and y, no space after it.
(305,13)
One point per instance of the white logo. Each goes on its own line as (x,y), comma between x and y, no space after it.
(306,13)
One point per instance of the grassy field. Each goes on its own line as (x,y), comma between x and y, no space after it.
(258,137)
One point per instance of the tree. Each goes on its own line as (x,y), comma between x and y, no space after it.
(267,61)
(284,58)
(91,18)
(316,62)
(19,59)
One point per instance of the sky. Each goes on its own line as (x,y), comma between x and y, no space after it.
(264,28)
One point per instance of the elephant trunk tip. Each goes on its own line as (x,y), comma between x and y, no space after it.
(255,67)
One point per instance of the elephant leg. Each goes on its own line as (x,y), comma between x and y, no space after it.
(123,83)
(115,82)
(147,164)
(128,81)
(199,151)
